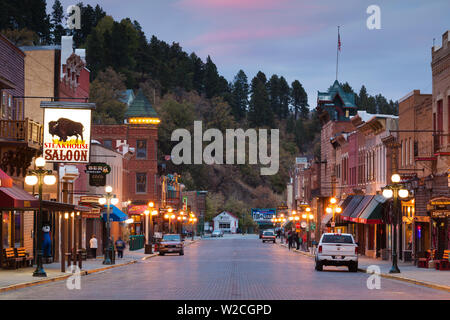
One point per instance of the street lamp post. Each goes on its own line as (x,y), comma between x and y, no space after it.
(308,216)
(149,236)
(394,191)
(192,221)
(40,176)
(108,199)
(334,208)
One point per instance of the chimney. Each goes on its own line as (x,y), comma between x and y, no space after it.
(81,53)
(66,51)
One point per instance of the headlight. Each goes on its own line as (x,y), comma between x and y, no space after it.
(179,245)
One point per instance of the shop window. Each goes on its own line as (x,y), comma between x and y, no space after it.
(141,182)
(6,230)
(141,152)
(18,230)
(4,103)
(224,226)
(107,144)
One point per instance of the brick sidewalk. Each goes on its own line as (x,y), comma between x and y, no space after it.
(23,277)
(408,272)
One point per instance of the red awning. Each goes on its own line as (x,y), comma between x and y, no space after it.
(17,198)
(5,180)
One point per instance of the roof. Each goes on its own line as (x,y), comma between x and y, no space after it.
(126,95)
(140,107)
(347,98)
(227,212)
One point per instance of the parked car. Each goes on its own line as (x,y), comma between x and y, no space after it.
(171,243)
(217,233)
(336,249)
(268,236)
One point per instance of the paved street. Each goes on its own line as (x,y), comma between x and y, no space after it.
(233,267)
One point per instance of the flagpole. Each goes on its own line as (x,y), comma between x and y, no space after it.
(337,55)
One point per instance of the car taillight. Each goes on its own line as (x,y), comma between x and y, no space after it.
(320,249)
(356,250)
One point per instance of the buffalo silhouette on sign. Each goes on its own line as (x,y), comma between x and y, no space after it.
(64,128)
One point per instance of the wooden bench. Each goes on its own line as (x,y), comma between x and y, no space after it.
(444,263)
(10,258)
(25,256)
(423,262)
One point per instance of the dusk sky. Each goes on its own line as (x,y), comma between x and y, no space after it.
(297,39)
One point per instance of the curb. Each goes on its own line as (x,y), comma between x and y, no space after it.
(413,281)
(59,278)
(388,276)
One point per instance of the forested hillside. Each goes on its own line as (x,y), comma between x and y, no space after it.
(183,87)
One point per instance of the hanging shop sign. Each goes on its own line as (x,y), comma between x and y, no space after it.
(67,131)
(137,209)
(97,173)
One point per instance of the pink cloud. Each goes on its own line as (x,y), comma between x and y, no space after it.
(232,4)
(245,34)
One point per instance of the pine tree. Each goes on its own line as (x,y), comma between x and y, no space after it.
(299,100)
(274,95)
(363,99)
(240,91)
(260,112)
(211,80)
(56,20)
(199,73)
(284,98)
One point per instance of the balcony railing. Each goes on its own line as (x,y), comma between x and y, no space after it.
(26,130)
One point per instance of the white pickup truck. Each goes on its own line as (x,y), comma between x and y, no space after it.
(337,249)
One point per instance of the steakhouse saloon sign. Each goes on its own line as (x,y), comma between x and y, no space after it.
(67,131)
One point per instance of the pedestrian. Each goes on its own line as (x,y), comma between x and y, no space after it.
(290,239)
(120,246)
(305,241)
(93,244)
(297,240)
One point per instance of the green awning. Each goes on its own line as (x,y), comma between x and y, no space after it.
(373,213)
(360,208)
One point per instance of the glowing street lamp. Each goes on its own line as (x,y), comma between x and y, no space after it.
(395,191)
(108,199)
(40,176)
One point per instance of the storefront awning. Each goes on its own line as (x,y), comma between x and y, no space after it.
(349,210)
(326,218)
(5,180)
(115,214)
(373,213)
(17,198)
(360,208)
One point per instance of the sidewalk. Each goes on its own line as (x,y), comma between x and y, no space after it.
(408,272)
(23,277)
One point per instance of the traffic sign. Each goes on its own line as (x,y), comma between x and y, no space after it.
(303,224)
(297,225)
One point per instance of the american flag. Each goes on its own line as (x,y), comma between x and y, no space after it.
(339,41)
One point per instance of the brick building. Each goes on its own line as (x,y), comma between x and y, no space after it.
(136,139)
(438,182)
(20,141)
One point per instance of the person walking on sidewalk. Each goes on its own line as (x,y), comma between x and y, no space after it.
(290,239)
(120,246)
(297,240)
(93,244)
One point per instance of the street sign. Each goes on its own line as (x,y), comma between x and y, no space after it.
(333,224)
(303,224)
